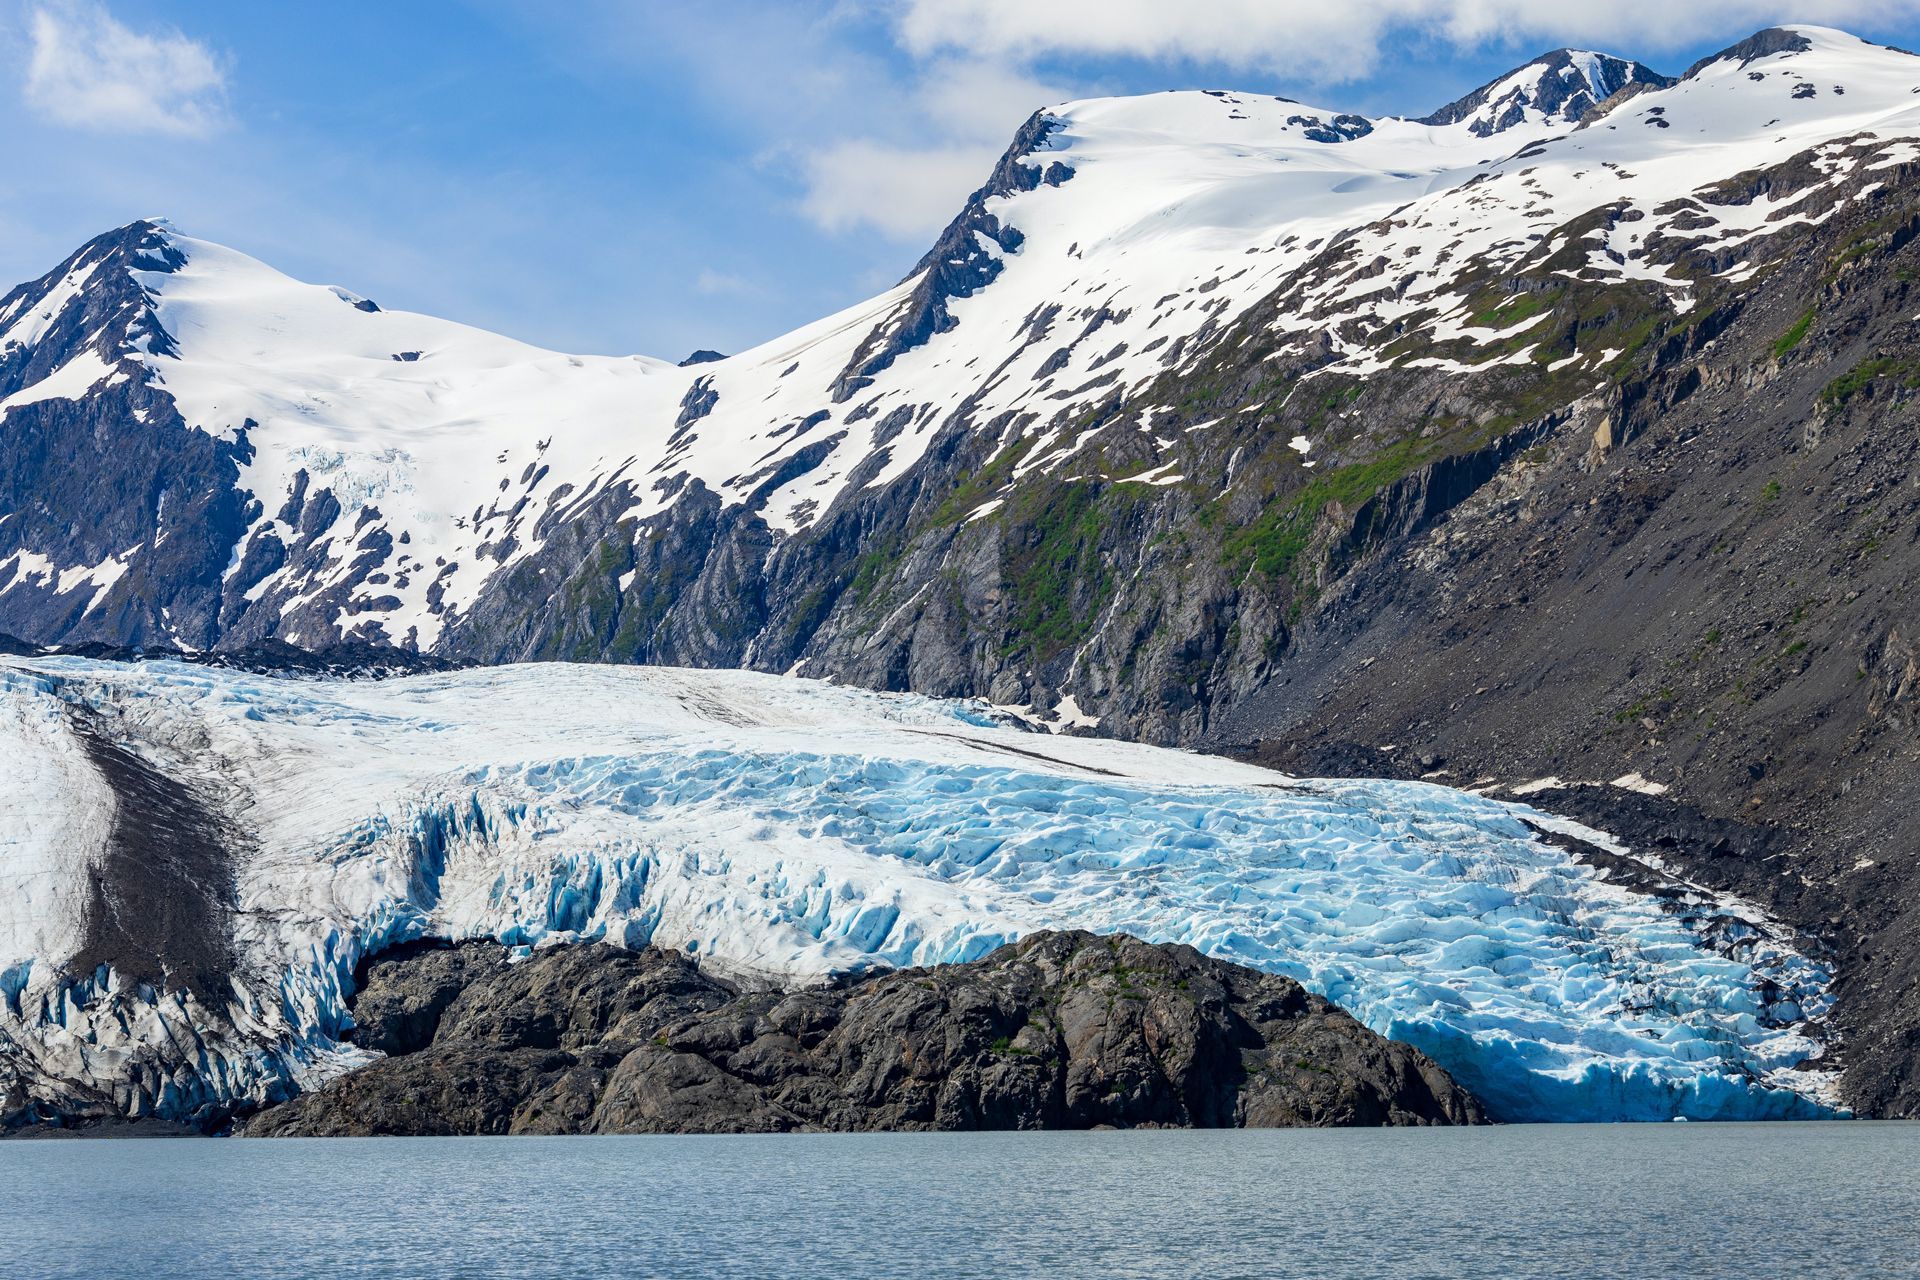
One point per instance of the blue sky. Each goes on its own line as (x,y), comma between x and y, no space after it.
(659,175)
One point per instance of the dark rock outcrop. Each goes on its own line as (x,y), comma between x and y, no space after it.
(1060,1030)
(957,266)
(1761,44)
(354,660)
(1560,91)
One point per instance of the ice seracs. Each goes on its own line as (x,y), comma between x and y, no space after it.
(786,828)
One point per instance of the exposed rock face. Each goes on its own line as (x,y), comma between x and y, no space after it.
(1062,1030)
(959,264)
(1758,45)
(1563,85)
(122,455)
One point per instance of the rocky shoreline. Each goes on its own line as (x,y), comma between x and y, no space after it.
(1057,1031)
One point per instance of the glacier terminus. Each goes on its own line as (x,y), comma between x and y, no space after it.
(787,829)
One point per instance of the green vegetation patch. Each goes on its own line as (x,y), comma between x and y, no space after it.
(872,565)
(1794,336)
(1056,577)
(1510,311)
(1275,540)
(1863,375)
(1863,242)
(982,484)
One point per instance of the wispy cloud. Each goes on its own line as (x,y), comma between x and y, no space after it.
(1330,42)
(88,70)
(902,192)
(723,284)
(954,119)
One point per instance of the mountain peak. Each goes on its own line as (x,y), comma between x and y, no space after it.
(1761,44)
(1790,40)
(146,244)
(1564,85)
(89,303)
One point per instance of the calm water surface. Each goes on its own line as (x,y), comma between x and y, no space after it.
(1748,1201)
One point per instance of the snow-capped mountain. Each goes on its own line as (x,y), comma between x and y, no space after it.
(202,452)
(788,828)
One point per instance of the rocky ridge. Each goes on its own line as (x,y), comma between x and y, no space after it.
(1057,1031)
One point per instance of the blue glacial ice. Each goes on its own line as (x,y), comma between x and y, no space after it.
(789,828)
(1436,917)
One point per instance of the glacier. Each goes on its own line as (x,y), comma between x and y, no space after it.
(786,829)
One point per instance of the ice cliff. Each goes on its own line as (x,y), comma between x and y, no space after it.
(196,860)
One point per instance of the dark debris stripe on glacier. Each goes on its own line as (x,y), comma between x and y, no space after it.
(160,899)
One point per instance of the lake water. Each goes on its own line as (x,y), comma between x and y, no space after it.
(1748,1201)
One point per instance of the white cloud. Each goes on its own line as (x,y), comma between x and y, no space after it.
(905,193)
(958,116)
(1332,42)
(88,70)
(980,100)
(720,283)
(879,146)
